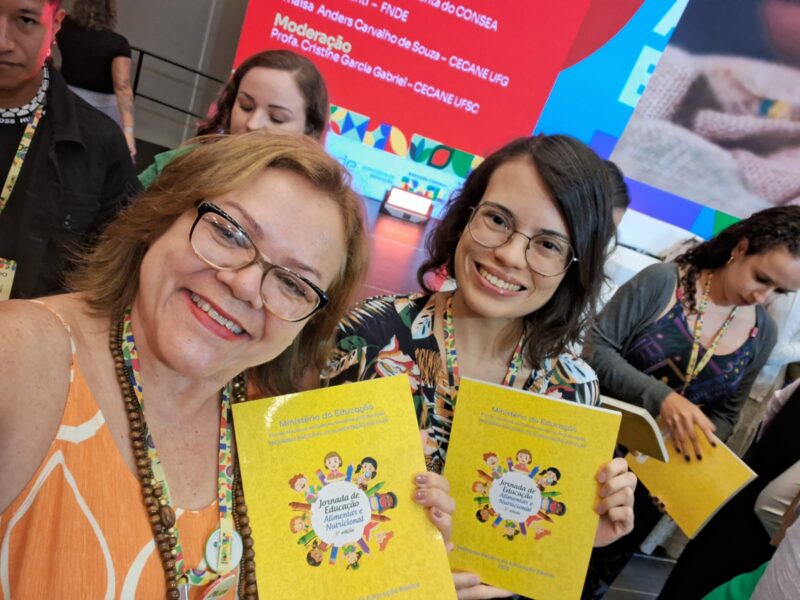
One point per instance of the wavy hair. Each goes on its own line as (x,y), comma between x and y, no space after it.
(777,227)
(108,276)
(306,75)
(95,14)
(578,182)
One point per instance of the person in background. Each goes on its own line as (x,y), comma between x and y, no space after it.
(737,539)
(96,61)
(785,311)
(66,167)
(237,264)
(687,339)
(525,240)
(275,90)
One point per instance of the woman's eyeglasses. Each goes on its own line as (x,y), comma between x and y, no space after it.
(546,254)
(223,244)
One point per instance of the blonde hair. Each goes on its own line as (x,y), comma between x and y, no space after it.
(108,277)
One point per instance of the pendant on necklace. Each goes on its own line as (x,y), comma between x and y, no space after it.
(220,587)
(212,549)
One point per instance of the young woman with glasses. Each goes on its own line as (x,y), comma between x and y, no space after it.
(525,241)
(114,391)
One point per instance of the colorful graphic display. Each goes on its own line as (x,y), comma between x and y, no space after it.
(422,90)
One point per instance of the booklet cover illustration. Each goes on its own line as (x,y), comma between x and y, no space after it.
(522,470)
(328,479)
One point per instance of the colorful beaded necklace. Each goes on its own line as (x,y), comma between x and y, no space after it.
(453,375)
(232,508)
(694,368)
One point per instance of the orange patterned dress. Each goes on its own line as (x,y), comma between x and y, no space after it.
(79,528)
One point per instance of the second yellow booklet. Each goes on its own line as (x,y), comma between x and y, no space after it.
(522,470)
(328,480)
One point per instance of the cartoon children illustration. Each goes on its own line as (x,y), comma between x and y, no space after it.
(383,537)
(299,483)
(553,507)
(540,532)
(382,502)
(524,459)
(479,487)
(352,556)
(316,554)
(485,513)
(510,530)
(547,478)
(365,472)
(491,460)
(300,524)
(333,463)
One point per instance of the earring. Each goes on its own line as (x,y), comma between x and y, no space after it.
(730,260)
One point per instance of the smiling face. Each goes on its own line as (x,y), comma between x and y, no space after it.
(497,282)
(332,462)
(751,278)
(27,30)
(292,224)
(268,99)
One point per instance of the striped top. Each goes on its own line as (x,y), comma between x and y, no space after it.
(79,528)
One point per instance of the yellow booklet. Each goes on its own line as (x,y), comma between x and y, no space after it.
(693,492)
(639,430)
(328,479)
(522,470)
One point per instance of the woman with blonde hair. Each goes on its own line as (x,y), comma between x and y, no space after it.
(237,264)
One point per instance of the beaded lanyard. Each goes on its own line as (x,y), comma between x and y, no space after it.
(453,376)
(19,157)
(694,368)
(204,573)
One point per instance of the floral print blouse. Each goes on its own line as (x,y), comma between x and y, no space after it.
(391,335)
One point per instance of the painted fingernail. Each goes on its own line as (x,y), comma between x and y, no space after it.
(686,456)
(713,444)
(699,456)
(421,479)
(420,494)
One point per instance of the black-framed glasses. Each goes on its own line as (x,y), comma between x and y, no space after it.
(547,254)
(223,244)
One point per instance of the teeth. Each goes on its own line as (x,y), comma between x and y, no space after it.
(206,308)
(497,282)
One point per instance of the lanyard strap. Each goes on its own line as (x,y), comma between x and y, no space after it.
(19,158)
(453,376)
(694,368)
(204,573)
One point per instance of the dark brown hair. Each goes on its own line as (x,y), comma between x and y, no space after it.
(95,14)
(578,183)
(306,75)
(777,227)
(109,276)
(619,189)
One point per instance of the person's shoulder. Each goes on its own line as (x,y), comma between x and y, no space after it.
(390,311)
(659,271)
(33,337)
(573,369)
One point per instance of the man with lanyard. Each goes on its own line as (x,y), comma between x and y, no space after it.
(64,167)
